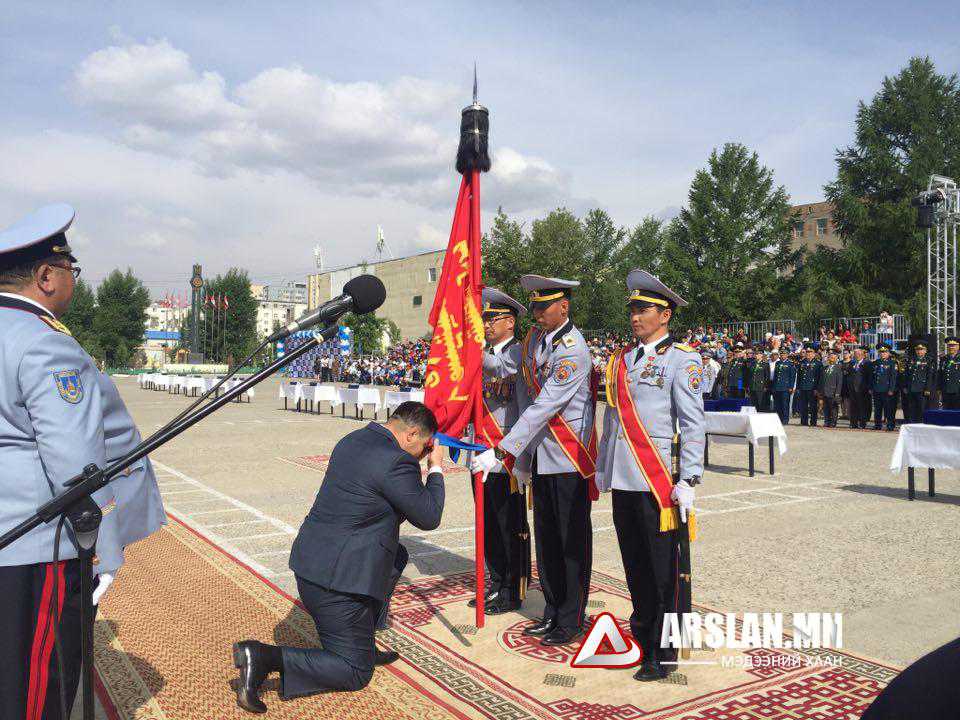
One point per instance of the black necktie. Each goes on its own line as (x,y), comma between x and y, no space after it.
(639,355)
(543,343)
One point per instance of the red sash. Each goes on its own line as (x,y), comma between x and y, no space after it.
(490,434)
(643,449)
(583,458)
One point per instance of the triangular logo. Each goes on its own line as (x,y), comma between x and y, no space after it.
(606,632)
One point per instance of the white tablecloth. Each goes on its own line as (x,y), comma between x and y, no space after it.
(317,393)
(177,383)
(230,385)
(161,382)
(291,391)
(750,426)
(393,398)
(929,446)
(198,384)
(359,396)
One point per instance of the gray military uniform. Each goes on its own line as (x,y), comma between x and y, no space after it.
(51,427)
(562,367)
(666,390)
(139,507)
(506,408)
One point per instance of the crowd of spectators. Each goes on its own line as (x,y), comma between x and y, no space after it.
(403,365)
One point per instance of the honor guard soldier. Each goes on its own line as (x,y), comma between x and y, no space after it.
(920,382)
(506,532)
(808,379)
(884,388)
(949,375)
(783,385)
(653,387)
(557,430)
(52,419)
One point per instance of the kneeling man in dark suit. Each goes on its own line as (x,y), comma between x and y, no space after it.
(347,557)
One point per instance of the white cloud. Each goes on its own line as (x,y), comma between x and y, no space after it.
(395,139)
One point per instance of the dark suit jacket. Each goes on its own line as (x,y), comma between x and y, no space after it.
(348,541)
(831,380)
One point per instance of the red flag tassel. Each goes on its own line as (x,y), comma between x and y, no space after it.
(478,399)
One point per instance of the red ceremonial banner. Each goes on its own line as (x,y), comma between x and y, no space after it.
(453,382)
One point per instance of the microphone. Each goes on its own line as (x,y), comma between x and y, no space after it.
(361,295)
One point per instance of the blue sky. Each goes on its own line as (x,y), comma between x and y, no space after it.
(246,133)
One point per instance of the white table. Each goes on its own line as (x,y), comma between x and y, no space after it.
(313,392)
(231,384)
(393,398)
(291,390)
(358,397)
(934,447)
(161,382)
(749,427)
(176,384)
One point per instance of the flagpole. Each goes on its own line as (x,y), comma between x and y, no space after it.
(477,477)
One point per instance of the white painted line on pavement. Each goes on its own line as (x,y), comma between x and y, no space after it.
(259,537)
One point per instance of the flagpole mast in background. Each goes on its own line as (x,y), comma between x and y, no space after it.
(454,380)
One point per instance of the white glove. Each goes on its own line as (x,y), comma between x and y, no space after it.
(523,479)
(683,495)
(484,463)
(106,580)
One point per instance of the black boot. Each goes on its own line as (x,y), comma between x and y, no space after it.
(385,657)
(488,597)
(540,627)
(255,660)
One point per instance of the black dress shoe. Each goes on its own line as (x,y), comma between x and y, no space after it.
(487,598)
(501,605)
(649,672)
(562,637)
(541,627)
(253,671)
(385,657)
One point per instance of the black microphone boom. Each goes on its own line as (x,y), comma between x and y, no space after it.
(361,295)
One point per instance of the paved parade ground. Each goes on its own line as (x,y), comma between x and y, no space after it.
(831,531)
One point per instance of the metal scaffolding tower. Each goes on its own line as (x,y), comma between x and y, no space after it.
(942,260)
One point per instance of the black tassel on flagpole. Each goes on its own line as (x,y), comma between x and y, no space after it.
(473,153)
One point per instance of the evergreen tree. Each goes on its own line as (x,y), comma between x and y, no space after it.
(79,318)
(120,318)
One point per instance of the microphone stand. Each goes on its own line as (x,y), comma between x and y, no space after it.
(84,514)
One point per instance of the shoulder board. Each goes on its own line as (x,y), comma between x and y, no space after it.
(55,324)
(569,341)
(684,347)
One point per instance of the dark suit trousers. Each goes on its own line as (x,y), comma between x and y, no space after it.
(831,405)
(859,408)
(951,401)
(781,401)
(561,521)
(808,407)
(650,562)
(884,407)
(503,548)
(916,403)
(759,400)
(345,623)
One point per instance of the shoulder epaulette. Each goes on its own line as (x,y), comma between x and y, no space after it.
(684,347)
(55,324)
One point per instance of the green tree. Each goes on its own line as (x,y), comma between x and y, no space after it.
(368,331)
(120,318)
(728,247)
(79,318)
(227,333)
(909,131)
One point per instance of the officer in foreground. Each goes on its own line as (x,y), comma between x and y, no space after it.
(557,430)
(653,388)
(54,420)
(506,533)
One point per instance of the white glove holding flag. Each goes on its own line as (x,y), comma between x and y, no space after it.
(683,495)
(106,580)
(484,463)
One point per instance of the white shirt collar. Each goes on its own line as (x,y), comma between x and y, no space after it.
(499,346)
(651,348)
(28,300)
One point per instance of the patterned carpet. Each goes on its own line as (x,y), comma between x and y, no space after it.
(165,631)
